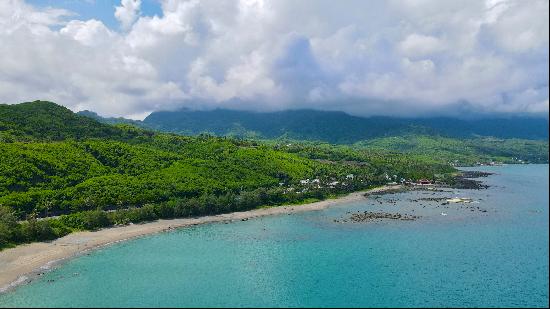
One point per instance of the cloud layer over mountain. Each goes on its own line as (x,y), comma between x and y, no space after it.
(365,57)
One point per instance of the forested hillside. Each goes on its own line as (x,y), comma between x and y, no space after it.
(461,142)
(338,127)
(48,121)
(463,151)
(90,175)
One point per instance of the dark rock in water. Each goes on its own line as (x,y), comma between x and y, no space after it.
(432,199)
(475,174)
(465,181)
(371,216)
(435,188)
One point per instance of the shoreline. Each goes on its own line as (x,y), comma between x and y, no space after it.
(22,264)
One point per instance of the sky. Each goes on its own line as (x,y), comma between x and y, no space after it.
(380,57)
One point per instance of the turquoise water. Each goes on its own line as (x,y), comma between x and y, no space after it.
(466,258)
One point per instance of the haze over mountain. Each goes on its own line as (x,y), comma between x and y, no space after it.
(333,127)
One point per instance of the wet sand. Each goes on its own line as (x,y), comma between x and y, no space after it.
(21,264)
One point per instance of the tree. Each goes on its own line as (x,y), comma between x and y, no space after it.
(8,226)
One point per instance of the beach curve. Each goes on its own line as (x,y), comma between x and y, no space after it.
(22,264)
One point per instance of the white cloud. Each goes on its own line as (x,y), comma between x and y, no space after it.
(533,32)
(418,45)
(366,57)
(90,33)
(127,12)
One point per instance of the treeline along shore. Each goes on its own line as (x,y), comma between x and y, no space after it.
(23,263)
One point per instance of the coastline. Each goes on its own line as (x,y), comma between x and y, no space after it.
(23,263)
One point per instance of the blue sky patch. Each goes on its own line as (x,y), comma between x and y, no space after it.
(103,10)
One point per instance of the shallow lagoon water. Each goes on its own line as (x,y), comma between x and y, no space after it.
(466,258)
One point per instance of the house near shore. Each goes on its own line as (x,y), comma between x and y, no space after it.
(423,182)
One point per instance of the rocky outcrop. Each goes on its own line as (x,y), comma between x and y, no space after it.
(368,216)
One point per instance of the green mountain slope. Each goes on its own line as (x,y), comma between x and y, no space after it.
(92,175)
(460,142)
(337,127)
(463,151)
(48,121)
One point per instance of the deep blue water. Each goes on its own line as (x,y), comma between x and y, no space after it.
(467,258)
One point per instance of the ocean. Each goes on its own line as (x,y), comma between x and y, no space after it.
(492,252)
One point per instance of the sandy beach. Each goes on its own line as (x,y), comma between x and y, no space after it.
(21,264)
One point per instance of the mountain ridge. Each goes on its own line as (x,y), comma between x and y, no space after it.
(338,127)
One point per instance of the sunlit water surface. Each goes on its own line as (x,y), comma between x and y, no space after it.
(464,258)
